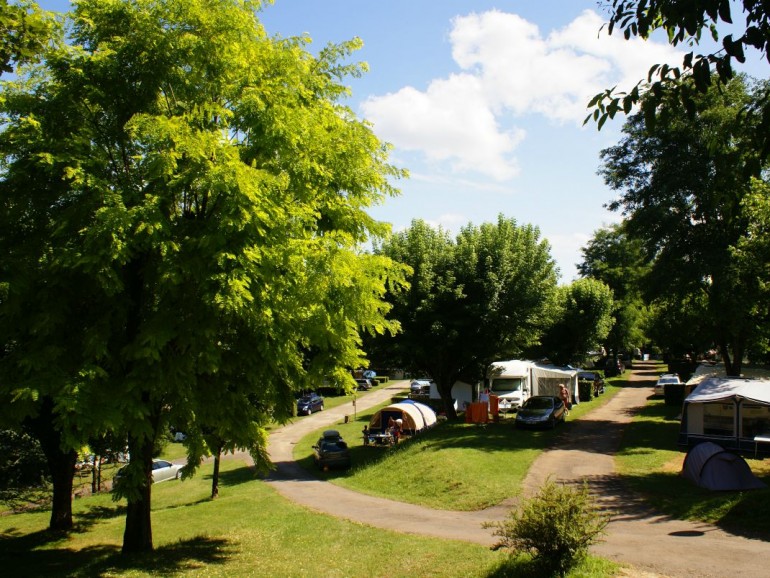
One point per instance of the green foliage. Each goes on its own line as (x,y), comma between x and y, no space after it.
(684,23)
(682,186)
(182,203)
(613,257)
(24,31)
(583,322)
(556,526)
(22,466)
(482,296)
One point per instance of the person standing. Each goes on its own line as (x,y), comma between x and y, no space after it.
(564,395)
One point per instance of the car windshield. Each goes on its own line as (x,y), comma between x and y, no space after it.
(506,384)
(668,380)
(333,446)
(539,403)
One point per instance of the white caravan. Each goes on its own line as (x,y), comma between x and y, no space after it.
(516,380)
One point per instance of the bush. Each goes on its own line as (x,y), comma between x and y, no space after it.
(23,467)
(585,390)
(556,526)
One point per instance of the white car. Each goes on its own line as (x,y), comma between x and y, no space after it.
(660,386)
(420,387)
(161,471)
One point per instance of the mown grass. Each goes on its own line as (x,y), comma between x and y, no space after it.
(651,461)
(248,531)
(454,466)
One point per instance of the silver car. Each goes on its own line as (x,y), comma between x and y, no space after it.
(660,386)
(161,471)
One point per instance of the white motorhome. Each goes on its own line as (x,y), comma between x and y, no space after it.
(514,381)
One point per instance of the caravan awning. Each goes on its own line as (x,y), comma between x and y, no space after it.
(729,388)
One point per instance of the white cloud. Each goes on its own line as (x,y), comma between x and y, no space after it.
(508,68)
(451,121)
(451,222)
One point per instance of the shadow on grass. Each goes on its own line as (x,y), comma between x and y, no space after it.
(87,519)
(98,560)
(234,477)
(632,497)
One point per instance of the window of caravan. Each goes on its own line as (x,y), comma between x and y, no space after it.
(719,419)
(502,385)
(755,420)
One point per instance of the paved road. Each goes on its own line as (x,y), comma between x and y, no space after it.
(637,535)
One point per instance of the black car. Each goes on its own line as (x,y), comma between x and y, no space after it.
(331,451)
(307,404)
(541,411)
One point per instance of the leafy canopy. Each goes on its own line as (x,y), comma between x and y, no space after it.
(182,200)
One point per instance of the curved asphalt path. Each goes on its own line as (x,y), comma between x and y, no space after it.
(637,535)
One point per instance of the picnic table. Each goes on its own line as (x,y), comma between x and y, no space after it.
(381,439)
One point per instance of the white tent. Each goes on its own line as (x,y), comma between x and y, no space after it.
(730,411)
(415,417)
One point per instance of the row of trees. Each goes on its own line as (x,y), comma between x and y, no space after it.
(490,293)
(181,202)
(693,189)
(182,199)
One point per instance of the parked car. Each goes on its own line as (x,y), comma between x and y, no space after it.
(161,471)
(331,451)
(307,404)
(541,411)
(596,380)
(363,384)
(420,387)
(660,385)
(613,367)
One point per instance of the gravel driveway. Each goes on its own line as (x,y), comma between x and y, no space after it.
(654,544)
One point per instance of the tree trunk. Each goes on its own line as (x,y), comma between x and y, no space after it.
(215,477)
(137,536)
(62,468)
(61,464)
(445,391)
(732,363)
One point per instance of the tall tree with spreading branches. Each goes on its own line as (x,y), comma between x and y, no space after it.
(182,199)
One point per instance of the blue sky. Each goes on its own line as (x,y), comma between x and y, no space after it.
(484,102)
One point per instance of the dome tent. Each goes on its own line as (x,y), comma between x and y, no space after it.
(415,417)
(710,466)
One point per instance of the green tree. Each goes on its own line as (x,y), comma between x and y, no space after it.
(182,202)
(685,22)
(618,261)
(472,300)
(24,31)
(583,321)
(682,183)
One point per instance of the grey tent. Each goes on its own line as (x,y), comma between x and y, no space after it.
(710,466)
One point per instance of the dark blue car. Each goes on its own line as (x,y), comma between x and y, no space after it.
(331,451)
(307,404)
(541,411)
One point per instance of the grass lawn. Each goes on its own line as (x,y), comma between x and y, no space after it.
(248,531)
(454,466)
(651,461)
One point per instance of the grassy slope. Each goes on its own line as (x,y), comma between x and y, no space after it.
(452,467)
(651,461)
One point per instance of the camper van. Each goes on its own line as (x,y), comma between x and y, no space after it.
(514,381)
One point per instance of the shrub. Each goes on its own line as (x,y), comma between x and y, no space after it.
(556,526)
